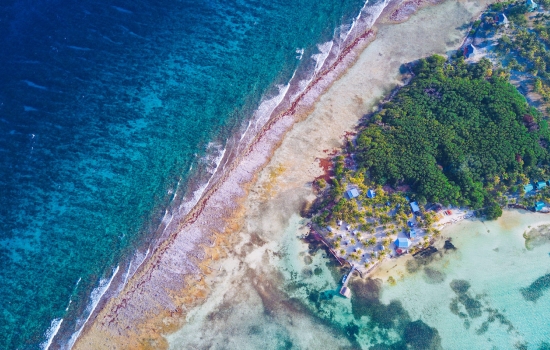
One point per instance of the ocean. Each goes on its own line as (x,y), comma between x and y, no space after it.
(114,116)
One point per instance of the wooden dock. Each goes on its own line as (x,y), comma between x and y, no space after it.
(320,238)
(345,290)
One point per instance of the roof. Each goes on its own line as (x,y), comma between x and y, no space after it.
(353,193)
(528,188)
(412,232)
(532,4)
(501,18)
(414,207)
(539,205)
(541,184)
(371,194)
(402,243)
(469,50)
(345,292)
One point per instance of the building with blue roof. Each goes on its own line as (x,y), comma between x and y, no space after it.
(541,185)
(353,193)
(528,188)
(531,5)
(539,206)
(414,207)
(412,233)
(402,243)
(371,194)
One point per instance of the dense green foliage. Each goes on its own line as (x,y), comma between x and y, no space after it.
(457,134)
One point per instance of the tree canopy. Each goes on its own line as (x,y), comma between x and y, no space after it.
(455,133)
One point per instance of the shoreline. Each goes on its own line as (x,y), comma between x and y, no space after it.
(284,186)
(390,267)
(121,320)
(261,146)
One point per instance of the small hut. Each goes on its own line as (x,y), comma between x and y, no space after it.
(353,193)
(501,19)
(415,208)
(528,188)
(371,194)
(402,243)
(469,51)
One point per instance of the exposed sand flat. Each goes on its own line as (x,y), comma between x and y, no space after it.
(243,284)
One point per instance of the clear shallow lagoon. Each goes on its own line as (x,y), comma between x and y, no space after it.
(107,111)
(491,293)
(488,293)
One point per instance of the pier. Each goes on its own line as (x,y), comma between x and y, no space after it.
(320,238)
(345,290)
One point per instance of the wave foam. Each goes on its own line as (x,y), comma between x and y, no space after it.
(51,332)
(95,297)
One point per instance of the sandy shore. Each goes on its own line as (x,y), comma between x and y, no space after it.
(235,231)
(517,221)
(283,187)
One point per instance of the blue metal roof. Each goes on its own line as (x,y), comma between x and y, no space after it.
(539,205)
(412,233)
(541,184)
(370,194)
(353,193)
(402,243)
(528,188)
(414,207)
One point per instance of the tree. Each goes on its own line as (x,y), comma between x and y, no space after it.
(493,211)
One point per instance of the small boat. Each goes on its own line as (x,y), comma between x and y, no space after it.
(344,278)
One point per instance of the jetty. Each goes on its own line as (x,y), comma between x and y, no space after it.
(320,238)
(345,290)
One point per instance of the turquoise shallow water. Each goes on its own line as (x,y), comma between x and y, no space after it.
(111,112)
(491,292)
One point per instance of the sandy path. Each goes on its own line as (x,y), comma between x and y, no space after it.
(245,289)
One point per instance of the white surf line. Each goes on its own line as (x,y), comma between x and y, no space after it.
(102,289)
(51,333)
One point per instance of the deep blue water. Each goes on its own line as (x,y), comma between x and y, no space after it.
(104,108)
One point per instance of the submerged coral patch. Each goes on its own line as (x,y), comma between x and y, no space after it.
(536,289)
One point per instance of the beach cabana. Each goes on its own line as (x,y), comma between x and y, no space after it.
(402,243)
(501,19)
(528,188)
(371,194)
(414,207)
(539,206)
(541,185)
(469,50)
(412,233)
(353,193)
